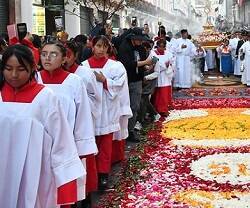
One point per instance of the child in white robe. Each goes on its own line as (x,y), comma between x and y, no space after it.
(162,97)
(88,77)
(110,77)
(40,154)
(119,138)
(73,97)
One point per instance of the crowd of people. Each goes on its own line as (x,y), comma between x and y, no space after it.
(67,106)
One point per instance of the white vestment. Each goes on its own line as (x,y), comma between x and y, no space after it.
(108,122)
(183,74)
(94,95)
(164,74)
(73,97)
(236,61)
(37,150)
(125,110)
(210,59)
(246,74)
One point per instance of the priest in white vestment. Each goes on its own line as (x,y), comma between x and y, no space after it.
(185,50)
(245,49)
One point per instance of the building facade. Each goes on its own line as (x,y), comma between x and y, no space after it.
(4,17)
(242,12)
(43,16)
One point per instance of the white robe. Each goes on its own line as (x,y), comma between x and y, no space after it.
(246,74)
(183,74)
(108,122)
(210,59)
(37,150)
(236,61)
(94,95)
(164,74)
(125,110)
(196,71)
(74,100)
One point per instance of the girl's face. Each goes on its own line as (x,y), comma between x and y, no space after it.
(15,74)
(71,58)
(99,49)
(161,47)
(51,57)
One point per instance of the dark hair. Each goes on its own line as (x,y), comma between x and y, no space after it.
(36,41)
(184,31)
(146,45)
(58,45)
(24,56)
(102,38)
(162,31)
(81,39)
(161,41)
(72,46)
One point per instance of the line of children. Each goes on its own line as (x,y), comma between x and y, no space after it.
(80,108)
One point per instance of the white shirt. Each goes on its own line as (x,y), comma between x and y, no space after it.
(108,122)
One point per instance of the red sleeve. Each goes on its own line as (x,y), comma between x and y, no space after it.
(67,193)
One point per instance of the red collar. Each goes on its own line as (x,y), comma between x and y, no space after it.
(24,95)
(97,62)
(56,77)
(73,68)
(159,52)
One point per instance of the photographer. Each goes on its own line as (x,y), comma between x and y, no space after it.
(133,56)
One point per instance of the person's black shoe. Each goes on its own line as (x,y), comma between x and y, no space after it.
(86,203)
(132,137)
(73,205)
(103,181)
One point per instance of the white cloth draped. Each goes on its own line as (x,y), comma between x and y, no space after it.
(38,152)
(183,74)
(74,100)
(245,48)
(115,75)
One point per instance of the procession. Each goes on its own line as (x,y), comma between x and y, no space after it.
(152,111)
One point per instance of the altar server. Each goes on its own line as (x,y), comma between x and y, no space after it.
(162,97)
(88,77)
(73,97)
(110,76)
(37,145)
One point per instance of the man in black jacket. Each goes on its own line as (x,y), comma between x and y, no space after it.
(133,56)
(242,40)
